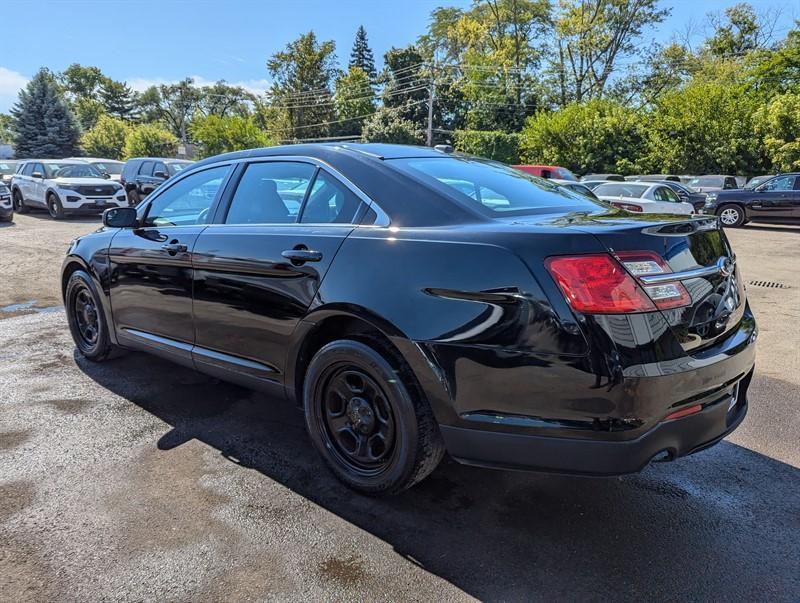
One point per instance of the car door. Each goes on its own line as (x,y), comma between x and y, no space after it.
(258,268)
(144,177)
(37,185)
(773,200)
(151,269)
(23,180)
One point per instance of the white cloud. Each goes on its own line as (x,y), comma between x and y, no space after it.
(254,86)
(10,84)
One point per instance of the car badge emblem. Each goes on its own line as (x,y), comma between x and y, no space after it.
(725,266)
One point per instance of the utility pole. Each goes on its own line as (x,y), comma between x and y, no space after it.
(431,99)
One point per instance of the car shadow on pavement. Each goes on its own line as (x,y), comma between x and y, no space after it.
(721,525)
(773,227)
(41,214)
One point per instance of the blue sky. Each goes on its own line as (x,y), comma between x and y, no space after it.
(147,41)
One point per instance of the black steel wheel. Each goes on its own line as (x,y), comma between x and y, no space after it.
(54,207)
(86,318)
(19,202)
(375,436)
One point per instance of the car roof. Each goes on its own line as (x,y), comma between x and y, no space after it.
(164,159)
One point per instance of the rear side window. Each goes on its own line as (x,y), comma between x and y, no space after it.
(28,169)
(662,193)
(330,202)
(491,187)
(270,193)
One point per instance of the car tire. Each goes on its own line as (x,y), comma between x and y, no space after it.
(87,319)
(133,198)
(374,430)
(731,215)
(18,202)
(54,207)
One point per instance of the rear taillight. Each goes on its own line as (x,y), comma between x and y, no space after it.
(598,284)
(601,284)
(627,206)
(667,295)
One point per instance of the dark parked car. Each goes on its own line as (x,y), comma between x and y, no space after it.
(415,302)
(142,175)
(698,200)
(707,184)
(756,180)
(6,205)
(777,200)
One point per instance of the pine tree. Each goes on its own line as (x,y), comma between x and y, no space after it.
(118,99)
(361,55)
(43,125)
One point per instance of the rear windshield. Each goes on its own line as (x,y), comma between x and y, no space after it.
(492,187)
(707,181)
(108,167)
(621,189)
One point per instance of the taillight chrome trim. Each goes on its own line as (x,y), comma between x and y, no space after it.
(723,265)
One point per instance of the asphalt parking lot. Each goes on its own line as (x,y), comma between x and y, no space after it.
(139,480)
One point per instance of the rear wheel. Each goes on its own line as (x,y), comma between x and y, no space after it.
(362,418)
(19,202)
(54,207)
(87,321)
(731,215)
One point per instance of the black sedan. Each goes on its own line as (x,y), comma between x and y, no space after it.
(416,302)
(777,200)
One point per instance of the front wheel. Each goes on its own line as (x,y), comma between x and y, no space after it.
(362,418)
(54,207)
(731,215)
(87,321)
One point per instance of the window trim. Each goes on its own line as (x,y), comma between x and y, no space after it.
(212,209)
(382,220)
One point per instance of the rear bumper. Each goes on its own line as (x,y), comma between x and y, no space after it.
(667,441)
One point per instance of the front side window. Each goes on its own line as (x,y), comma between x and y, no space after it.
(491,187)
(28,169)
(270,193)
(330,202)
(188,201)
(781,183)
(159,168)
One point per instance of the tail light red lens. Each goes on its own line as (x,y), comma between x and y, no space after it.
(602,284)
(627,206)
(667,295)
(598,284)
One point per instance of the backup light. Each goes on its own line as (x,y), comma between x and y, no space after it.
(645,263)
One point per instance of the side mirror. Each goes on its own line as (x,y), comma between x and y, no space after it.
(162,175)
(106,175)
(120,217)
(37,175)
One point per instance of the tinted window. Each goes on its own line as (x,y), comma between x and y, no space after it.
(662,193)
(38,167)
(187,201)
(270,193)
(159,167)
(28,169)
(495,188)
(330,202)
(781,183)
(731,183)
(621,189)
(146,169)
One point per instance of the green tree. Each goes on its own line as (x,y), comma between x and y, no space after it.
(107,138)
(302,74)
(43,124)
(778,124)
(361,55)
(405,82)
(87,111)
(224,100)
(353,101)
(118,99)
(704,128)
(595,136)
(592,37)
(388,125)
(150,140)
(737,31)
(216,134)
(171,104)
(500,146)
(6,134)
(80,81)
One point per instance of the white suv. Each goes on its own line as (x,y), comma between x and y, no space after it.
(64,187)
